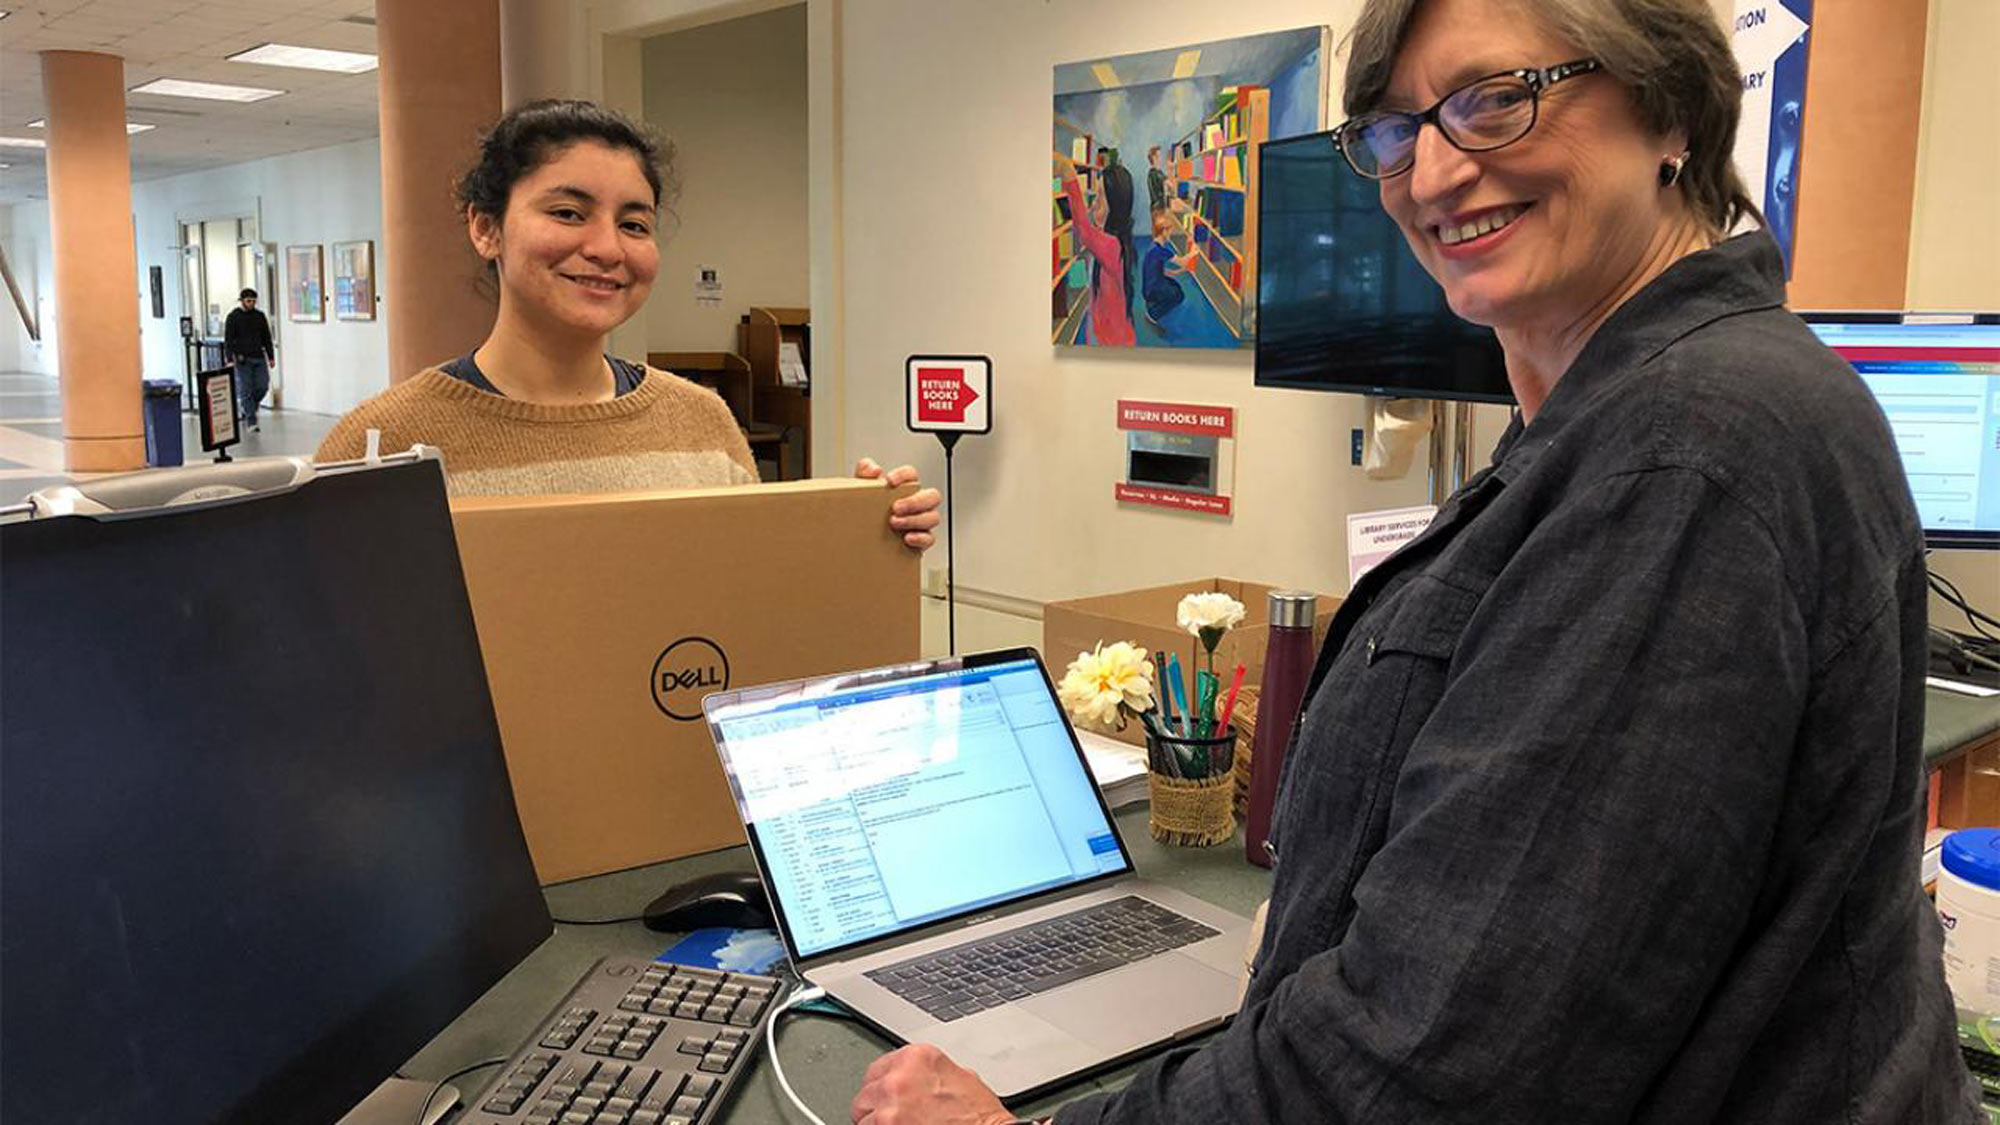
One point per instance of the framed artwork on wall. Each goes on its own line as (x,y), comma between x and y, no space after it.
(354,280)
(305,283)
(157,284)
(1154,193)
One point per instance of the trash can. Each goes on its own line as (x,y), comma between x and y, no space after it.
(163,422)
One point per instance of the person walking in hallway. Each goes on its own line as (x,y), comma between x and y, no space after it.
(246,337)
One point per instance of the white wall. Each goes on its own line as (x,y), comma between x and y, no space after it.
(11,332)
(942,232)
(24,227)
(1955,231)
(323,196)
(732,97)
(946,127)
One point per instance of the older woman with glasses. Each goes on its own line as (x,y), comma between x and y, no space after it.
(1607,800)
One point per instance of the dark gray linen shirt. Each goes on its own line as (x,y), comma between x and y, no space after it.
(1607,801)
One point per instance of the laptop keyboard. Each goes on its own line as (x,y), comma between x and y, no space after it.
(1985,1068)
(979,975)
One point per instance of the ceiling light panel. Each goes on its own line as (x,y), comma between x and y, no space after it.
(131,127)
(23,142)
(212,91)
(307,58)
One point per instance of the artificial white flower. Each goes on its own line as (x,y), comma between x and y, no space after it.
(1101,686)
(1217,612)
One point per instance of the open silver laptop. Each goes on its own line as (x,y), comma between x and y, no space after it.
(940,861)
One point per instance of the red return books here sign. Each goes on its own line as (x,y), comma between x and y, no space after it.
(1194,434)
(1177,418)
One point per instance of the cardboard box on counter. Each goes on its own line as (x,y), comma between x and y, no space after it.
(1145,617)
(604,621)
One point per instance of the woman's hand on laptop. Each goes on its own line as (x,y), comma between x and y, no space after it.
(915,515)
(920,1085)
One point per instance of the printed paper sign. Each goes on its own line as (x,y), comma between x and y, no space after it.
(1374,536)
(791,365)
(218,409)
(708,287)
(949,394)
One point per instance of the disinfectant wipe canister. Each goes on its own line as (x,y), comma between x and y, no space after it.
(1968,903)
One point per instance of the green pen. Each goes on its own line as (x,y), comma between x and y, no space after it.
(1206,686)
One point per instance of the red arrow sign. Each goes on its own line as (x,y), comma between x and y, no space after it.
(942,395)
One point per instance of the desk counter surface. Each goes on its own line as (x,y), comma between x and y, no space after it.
(827,1055)
(1955,723)
(824,1056)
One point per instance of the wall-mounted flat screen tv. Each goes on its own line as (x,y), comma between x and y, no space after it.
(1342,304)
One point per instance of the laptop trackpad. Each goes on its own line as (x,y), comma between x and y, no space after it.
(1138,1005)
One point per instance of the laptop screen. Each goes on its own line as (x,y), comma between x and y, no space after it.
(878,803)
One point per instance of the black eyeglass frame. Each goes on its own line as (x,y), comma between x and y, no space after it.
(1537,81)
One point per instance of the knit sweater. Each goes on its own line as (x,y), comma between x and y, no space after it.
(667,433)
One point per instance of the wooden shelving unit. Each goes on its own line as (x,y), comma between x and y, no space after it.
(1215,168)
(773,403)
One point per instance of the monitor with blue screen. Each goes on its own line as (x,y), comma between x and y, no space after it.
(1937,378)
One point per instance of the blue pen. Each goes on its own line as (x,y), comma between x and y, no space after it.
(1180,693)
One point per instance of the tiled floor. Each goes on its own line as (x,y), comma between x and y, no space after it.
(31,450)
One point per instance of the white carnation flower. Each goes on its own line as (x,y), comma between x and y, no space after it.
(1209,616)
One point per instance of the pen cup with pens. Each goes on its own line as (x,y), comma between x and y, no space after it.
(1190,739)
(1192,783)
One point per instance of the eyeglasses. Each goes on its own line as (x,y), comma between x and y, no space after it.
(1480,116)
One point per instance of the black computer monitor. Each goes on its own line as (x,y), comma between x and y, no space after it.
(257,841)
(1937,377)
(1342,303)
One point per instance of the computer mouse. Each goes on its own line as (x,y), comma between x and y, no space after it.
(726,898)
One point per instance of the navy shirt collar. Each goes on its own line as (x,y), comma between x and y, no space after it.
(1741,274)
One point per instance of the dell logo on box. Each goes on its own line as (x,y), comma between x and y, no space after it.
(689,669)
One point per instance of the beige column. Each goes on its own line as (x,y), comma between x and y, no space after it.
(541,51)
(438,87)
(96,264)
(1858,157)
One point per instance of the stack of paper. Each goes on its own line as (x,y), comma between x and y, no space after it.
(1119,768)
(791,365)
(1933,853)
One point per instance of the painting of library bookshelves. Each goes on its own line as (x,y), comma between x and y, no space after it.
(1153,238)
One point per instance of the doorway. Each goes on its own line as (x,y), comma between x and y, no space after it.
(220,257)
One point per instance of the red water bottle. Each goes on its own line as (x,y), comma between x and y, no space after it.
(1288,663)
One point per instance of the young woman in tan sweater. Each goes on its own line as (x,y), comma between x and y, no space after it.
(562,205)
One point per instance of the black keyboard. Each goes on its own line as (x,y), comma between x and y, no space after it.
(636,1042)
(982,974)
